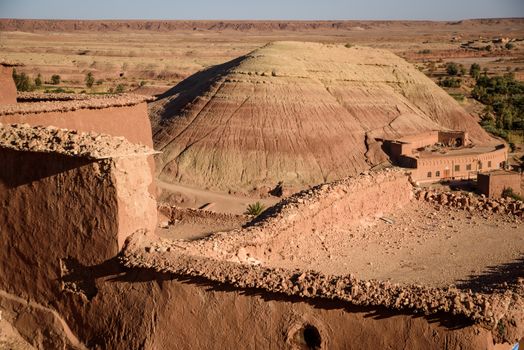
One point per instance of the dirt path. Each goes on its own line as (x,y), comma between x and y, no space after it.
(218,202)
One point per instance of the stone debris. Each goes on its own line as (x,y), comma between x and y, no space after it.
(50,139)
(472,203)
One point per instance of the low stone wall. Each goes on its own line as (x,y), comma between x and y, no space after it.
(340,203)
(473,203)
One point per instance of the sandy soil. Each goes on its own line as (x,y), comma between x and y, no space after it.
(423,245)
(10,339)
(210,200)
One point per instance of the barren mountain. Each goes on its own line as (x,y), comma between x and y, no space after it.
(301,113)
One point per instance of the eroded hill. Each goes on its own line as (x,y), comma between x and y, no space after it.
(300,113)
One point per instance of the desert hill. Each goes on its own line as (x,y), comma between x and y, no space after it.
(301,113)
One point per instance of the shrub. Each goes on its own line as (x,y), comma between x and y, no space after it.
(255,209)
(120,88)
(450,82)
(55,79)
(22,81)
(509,193)
(509,46)
(99,81)
(90,80)
(38,80)
(142,83)
(348,45)
(424,52)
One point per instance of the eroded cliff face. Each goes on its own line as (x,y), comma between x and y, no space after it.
(301,113)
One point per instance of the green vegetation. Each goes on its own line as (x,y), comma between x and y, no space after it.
(120,88)
(509,46)
(38,80)
(504,100)
(59,90)
(55,79)
(509,193)
(424,52)
(457,96)
(348,45)
(474,71)
(90,80)
(22,81)
(450,82)
(255,209)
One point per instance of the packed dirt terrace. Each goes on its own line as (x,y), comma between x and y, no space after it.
(395,250)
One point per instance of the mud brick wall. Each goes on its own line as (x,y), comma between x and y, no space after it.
(7,86)
(57,208)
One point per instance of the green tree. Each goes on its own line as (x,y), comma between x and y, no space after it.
(55,79)
(90,80)
(452,68)
(22,81)
(474,71)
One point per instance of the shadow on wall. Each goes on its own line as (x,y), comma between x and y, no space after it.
(112,271)
(495,277)
(36,166)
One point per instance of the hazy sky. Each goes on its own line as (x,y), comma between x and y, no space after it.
(261,9)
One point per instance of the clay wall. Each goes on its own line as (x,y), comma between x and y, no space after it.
(131,122)
(57,208)
(492,184)
(330,206)
(7,86)
(468,166)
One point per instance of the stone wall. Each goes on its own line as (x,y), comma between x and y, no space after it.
(7,86)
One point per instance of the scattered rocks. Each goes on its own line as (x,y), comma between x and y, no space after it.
(472,203)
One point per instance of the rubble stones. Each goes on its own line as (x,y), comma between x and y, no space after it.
(472,203)
(49,139)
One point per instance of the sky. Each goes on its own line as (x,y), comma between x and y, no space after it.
(262,9)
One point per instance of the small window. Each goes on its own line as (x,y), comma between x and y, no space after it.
(429,173)
(489,164)
(480,165)
(457,167)
(437,173)
(468,166)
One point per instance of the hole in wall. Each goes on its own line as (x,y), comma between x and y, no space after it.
(312,337)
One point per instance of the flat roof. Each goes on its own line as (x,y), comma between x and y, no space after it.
(50,139)
(466,151)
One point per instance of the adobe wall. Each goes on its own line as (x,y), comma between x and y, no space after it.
(57,208)
(131,122)
(493,184)
(441,163)
(343,202)
(7,86)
